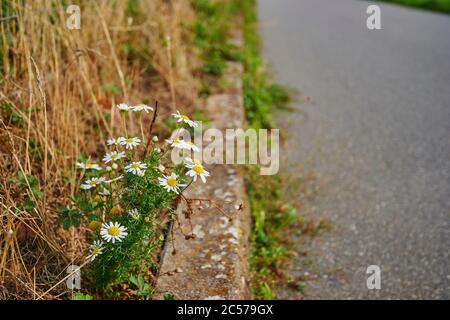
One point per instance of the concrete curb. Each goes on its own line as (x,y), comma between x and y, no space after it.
(214,264)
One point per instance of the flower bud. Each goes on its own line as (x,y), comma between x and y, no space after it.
(115,211)
(94,225)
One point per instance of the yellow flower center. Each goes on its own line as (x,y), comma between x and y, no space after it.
(114,156)
(130,140)
(95,251)
(94,225)
(185,117)
(198,169)
(115,211)
(98,198)
(135,166)
(172,182)
(113,231)
(93,182)
(141,105)
(89,166)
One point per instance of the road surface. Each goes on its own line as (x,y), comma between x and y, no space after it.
(373,124)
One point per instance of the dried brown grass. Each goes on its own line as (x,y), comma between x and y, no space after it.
(63,84)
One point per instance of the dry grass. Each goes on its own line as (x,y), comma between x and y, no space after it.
(57,89)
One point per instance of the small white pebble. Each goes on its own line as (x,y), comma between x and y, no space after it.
(216,257)
(214,298)
(197,231)
(233,231)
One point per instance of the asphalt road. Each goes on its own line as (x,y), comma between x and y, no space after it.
(373,124)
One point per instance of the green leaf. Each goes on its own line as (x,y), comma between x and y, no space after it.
(169,296)
(70,217)
(81,296)
(28,204)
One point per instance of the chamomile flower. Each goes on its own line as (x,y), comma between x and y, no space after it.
(181,144)
(88,165)
(113,156)
(170,183)
(184,118)
(130,143)
(112,142)
(142,107)
(95,249)
(113,231)
(124,107)
(136,167)
(134,213)
(92,183)
(105,192)
(191,146)
(191,162)
(197,170)
(114,179)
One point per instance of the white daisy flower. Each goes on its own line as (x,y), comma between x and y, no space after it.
(136,167)
(113,231)
(191,162)
(134,213)
(142,107)
(92,183)
(113,156)
(181,144)
(105,192)
(113,180)
(130,143)
(112,141)
(88,165)
(197,170)
(184,118)
(170,183)
(124,107)
(95,249)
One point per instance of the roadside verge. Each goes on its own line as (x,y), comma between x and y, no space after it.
(206,256)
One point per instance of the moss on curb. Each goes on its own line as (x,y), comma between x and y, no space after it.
(271,217)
